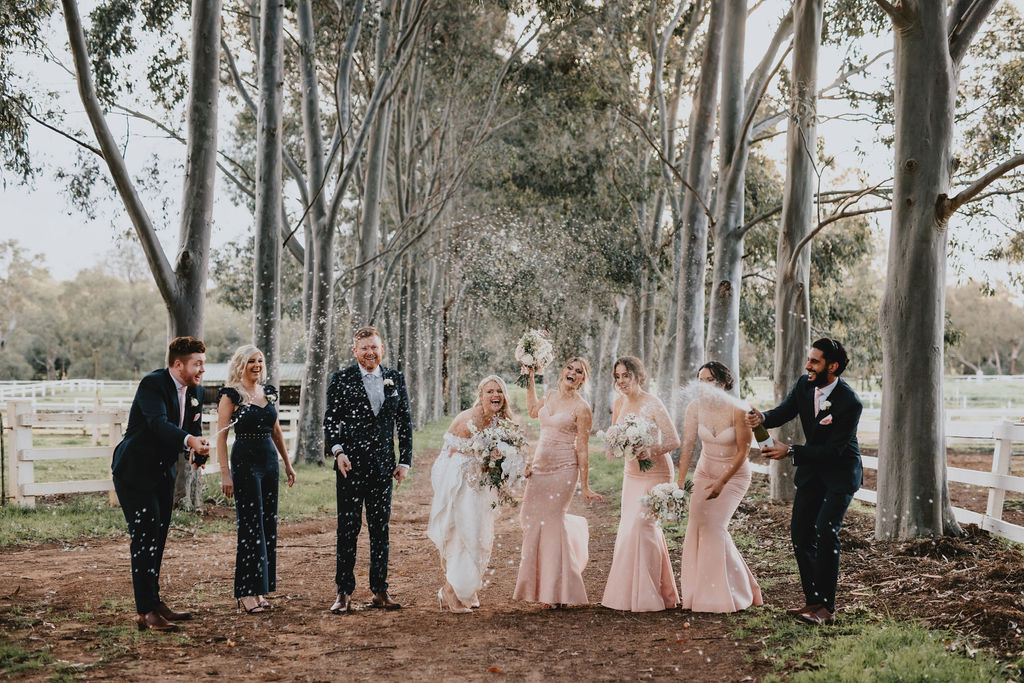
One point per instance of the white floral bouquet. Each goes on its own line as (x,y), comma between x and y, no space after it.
(498,458)
(629,438)
(665,502)
(534,352)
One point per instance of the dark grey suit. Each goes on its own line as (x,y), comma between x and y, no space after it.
(368,441)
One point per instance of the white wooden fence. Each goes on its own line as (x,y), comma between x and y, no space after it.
(23,417)
(998,481)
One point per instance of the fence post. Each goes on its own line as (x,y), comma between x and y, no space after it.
(116,435)
(1001,461)
(22,471)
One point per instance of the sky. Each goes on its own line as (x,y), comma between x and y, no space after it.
(42,220)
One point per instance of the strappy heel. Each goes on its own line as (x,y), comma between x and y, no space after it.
(258,609)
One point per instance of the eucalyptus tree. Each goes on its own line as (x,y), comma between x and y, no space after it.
(930,45)
(266,293)
(183,285)
(740,104)
(792,275)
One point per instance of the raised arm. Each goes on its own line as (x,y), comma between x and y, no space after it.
(584,421)
(690,422)
(533,406)
(743,438)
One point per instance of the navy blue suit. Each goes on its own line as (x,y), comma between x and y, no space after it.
(828,473)
(368,441)
(143,469)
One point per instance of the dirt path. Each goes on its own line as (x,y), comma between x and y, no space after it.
(75,601)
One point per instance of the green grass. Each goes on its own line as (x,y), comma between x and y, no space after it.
(864,647)
(16,660)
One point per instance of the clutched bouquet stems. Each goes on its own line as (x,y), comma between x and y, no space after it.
(498,463)
(629,438)
(533,352)
(665,502)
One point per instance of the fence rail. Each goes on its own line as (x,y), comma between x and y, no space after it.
(998,481)
(24,418)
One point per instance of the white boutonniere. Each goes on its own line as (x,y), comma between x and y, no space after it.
(825,405)
(194,402)
(271,398)
(389,382)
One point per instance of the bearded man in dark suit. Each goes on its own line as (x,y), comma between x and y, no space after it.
(165,419)
(366,404)
(828,471)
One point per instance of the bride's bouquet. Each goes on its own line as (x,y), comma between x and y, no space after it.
(665,502)
(498,462)
(629,438)
(534,352)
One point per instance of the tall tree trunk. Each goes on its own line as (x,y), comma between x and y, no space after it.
(792,294)
(913,495)
(182,288)
(364,291)
(690,296)
(727,268)
(611,333)
(320,249)
(266,295)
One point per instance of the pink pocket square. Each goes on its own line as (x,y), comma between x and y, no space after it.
(827,420)
(199,415)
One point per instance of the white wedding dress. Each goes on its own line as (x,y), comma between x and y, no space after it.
(461,519)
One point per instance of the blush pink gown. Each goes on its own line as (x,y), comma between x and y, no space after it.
(641,577)
(714,577)
(554,543)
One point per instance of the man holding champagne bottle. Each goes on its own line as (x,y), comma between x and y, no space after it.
(828,470)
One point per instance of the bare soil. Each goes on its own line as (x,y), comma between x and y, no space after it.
(75,601)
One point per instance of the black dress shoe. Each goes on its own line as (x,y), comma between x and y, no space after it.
(384,601)
(170,615)
(342,604)
(153,620)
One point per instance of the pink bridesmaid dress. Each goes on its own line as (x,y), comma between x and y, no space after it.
(554,543)
(714,576)
(641,577)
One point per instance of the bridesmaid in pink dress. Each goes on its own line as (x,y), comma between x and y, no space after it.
(555,543)
(714,576)
(641,577)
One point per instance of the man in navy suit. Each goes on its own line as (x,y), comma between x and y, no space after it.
(366,403)
(165,419)
(828,471)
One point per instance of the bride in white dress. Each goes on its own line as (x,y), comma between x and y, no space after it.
(462,513)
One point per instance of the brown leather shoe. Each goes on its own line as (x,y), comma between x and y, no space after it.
(817,617)
(342,604)
(153,620)
(384,601)
(800,610)
(170,615)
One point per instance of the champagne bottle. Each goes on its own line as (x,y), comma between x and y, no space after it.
(764,439)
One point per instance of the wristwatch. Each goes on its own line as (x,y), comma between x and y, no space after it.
(792,456)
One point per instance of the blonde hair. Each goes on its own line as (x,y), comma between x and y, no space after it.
(506,409)
(236,368)
(586,370)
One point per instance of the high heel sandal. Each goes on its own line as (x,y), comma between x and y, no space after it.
(258,609)
(443,601)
